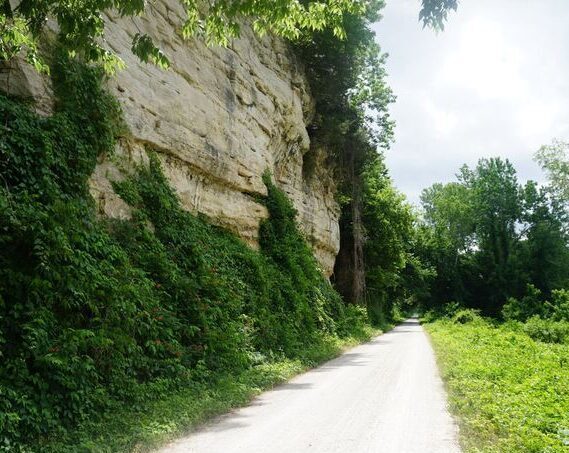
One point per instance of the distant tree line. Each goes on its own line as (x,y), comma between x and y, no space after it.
(488,238)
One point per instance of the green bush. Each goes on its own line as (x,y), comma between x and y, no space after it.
(558,308)
(355,322)
(450,309)
(447,311)
(68,296)
(428,316)
(522,309)
(97,315)
(466,315)
(547,331)
(510,394)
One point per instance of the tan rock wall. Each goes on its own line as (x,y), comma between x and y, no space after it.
(218,118)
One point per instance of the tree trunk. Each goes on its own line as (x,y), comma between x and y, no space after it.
(349,269)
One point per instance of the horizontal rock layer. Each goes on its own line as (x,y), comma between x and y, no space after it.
(218,118)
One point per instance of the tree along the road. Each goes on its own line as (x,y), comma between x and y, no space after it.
(554,160)
(388,230)
(489,237)
(352,123)
(496,205)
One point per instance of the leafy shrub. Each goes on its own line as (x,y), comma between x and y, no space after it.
(428,316)
(509,392)
(466,315)
(68,297)
(547,331)
(558,308)
(522,309)
(447,311)
(514,326)
(450,309)
(354,321)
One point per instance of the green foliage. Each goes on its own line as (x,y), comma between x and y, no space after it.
(531,304)
(497,208)
(65,285)
(558,308)
(490,239)
(509,392)
(348,81)
(154,422)
(547,331)
(96,315)
(146,50)
(434,13)
(391,272)
(445,238)
(544,321)
(544,253)
(448,211)
(81,24)
(15,37)
(451,311)
(466,316)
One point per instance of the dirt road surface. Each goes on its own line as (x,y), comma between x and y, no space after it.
(385,396)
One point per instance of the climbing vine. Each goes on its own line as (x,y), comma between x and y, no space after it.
(96,314)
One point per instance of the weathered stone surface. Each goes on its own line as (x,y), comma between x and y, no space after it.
(20,79)
(218,118)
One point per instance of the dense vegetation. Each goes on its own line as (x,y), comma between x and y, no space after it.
(81,25)
(115,333)
(490,239)
(502,249)
(165,310)
(95,314)
(509,390)
(375,265)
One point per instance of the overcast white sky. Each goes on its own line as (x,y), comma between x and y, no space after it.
(494,83)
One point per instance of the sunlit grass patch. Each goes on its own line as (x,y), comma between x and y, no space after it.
(510,393)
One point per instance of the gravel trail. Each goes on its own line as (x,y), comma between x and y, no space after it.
(384,396)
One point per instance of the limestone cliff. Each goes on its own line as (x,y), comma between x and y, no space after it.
(218,118)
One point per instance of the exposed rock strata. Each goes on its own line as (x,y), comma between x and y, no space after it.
(218,118)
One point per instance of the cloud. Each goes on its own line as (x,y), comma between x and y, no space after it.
(484,62)
(494,83)
(442,122)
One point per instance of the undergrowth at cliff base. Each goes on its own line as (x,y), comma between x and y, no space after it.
(104,325)
(151,424)
(509,391)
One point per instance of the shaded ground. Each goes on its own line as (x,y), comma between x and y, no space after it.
(383,396)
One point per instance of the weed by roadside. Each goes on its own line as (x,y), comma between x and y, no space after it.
(510,392)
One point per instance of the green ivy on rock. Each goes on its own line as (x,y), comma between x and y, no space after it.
(98,314)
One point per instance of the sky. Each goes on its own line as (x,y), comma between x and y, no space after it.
(494,83)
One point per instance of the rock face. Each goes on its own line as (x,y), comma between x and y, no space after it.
(218,119)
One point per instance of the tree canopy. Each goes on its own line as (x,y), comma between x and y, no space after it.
(491,238)
(434,13)
(81,23)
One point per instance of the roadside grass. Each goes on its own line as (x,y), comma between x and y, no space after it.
(509,392)
(147,426)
